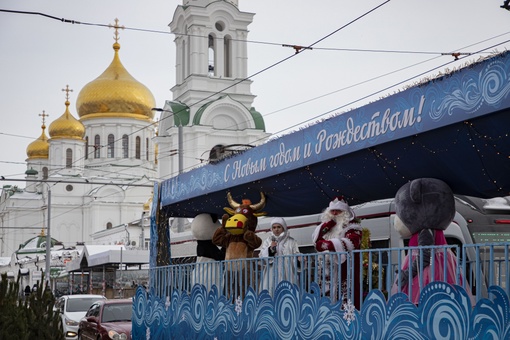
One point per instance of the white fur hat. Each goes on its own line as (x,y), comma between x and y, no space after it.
(281,221)
(340,204)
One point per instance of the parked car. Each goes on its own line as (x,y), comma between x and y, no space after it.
(107,319)
(72,308)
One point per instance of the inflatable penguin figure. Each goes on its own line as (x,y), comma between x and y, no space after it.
(206,272)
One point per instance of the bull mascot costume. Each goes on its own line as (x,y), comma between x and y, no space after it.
(237,236)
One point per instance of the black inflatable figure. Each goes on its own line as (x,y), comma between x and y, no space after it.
(426,207)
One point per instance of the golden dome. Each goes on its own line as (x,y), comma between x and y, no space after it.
(115,93)
(66,126)
(39,149)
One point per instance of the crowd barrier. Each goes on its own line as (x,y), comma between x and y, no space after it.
(346,276)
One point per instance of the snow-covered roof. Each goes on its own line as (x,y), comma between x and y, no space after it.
(118,256)
(98,255)
(5,261)
(94,249)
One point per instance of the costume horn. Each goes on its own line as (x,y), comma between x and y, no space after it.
(261,204)
(231,201)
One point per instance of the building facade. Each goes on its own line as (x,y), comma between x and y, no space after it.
(90,174)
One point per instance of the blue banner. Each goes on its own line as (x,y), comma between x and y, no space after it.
(474,91)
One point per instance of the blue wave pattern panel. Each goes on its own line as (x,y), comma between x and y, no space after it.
(444,312)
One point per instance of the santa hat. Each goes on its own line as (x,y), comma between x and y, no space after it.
(339,204)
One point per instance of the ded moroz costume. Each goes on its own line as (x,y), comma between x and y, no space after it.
(339,233)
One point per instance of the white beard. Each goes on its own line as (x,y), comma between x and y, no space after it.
(340,219)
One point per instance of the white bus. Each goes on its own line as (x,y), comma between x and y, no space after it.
(476,221)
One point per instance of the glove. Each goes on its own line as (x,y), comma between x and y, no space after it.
(325,227)
(404,278)
(323,245)
(425,238)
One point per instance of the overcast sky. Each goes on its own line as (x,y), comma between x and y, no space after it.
(356,60)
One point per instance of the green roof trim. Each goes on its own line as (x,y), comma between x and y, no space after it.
(35,245)
(198,115)
(258,119)
(31,171)
(181,112)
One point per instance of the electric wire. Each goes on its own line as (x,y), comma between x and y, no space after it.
(237,82)
(242,80)
(330,92)
(145,30)
(308,47)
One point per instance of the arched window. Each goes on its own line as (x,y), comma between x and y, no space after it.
(97,146)
(111,146)
(125,146)
(87,147)
(147,148)
(138,146)
(109,225)
(212,56)
(45,173)
(69,158)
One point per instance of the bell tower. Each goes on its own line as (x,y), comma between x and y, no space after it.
(210,38)
(212,101)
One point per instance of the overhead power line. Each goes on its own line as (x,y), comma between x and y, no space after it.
(296,47)
(218,92)
(85,181)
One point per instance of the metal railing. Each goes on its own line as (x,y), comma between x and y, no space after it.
(346,276)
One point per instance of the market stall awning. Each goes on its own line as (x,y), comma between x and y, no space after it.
(97,256)
(455,128)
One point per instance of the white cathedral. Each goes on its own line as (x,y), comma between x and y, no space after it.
(91,180)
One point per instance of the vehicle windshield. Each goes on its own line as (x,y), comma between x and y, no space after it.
(117,312)
(80,304)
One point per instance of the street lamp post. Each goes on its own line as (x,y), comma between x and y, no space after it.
(179,137)
(180,222)
(142,234)
(179,146)
(48,242)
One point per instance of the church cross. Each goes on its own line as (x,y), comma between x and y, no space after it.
(43,115)
(116,27)
(67,90)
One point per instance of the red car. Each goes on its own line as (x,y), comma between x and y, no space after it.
(107,320)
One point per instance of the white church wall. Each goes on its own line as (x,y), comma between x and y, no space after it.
(126,234)
(82,212)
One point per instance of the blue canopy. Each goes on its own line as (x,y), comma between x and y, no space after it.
(455,128)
